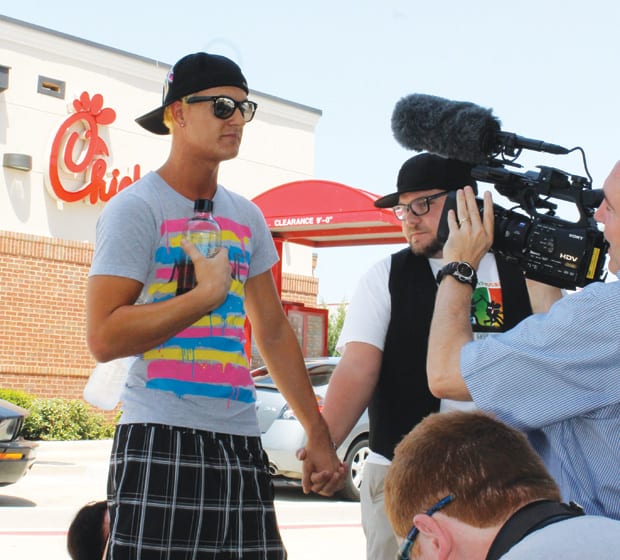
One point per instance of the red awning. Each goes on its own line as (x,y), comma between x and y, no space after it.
(327,214)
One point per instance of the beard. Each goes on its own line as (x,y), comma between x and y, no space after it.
(430,251)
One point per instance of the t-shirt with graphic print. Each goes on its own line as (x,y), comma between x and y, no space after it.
(368,314)
(200,377)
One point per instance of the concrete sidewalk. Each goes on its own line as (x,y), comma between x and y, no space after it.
(36,511)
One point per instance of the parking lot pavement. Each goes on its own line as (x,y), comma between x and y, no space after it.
(36,511)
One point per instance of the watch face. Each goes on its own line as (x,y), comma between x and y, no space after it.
(465,270)
(462,271)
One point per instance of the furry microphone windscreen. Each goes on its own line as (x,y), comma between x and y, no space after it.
(455,129)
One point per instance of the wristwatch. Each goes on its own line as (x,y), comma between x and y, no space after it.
(462,271)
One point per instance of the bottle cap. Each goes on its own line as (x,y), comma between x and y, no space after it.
(203,205)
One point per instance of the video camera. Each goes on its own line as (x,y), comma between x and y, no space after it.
(555,251)
(549,249)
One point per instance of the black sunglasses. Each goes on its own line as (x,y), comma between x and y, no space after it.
(224,106)
(405,549)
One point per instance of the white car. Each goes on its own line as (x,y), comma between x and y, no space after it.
(282,434)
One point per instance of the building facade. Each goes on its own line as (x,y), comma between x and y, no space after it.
(68,143)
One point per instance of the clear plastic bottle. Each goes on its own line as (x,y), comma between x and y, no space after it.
(204,232)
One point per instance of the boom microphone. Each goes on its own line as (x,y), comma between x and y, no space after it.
(457,129)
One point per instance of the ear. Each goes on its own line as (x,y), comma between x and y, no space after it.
(433,537)
(176,109)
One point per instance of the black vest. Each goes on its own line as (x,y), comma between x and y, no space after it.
(402,398)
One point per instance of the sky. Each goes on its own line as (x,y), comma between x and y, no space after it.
(548,69)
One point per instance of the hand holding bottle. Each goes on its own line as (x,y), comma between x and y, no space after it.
(204,233)
(212,274)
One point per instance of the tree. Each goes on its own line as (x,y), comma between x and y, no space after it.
(335,322)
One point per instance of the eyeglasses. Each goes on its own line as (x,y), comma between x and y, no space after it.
(417,207)
(224,106)
(405,549)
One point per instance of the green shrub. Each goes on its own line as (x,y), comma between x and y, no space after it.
(59,419)
(20,398)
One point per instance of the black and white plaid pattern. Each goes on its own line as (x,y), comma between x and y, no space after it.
(180,494)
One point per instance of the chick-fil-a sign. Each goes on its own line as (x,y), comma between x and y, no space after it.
(78,151)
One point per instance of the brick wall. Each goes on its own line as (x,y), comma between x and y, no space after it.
(43,316)
(300,289)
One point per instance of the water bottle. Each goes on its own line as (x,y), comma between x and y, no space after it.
(204,232)
(106,382)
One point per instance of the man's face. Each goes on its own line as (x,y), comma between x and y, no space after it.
(608,213)
(421,231)
(207,136)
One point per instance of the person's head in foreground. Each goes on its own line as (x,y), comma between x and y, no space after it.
(472,472)
(88,533)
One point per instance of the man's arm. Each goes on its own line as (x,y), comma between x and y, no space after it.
(350,388)
(279,348)
(450,331)
(451,327)
(542,296)
(348,394)
(116,327)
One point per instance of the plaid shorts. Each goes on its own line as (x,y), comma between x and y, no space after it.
(178,493)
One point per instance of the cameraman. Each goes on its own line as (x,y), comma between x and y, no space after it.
(555,375)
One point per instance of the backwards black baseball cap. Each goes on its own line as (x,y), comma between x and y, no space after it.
(193,73)
(429,171)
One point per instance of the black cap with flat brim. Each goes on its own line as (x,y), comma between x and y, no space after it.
(429,171)
(193,73)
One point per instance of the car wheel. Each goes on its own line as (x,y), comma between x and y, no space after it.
(355,459)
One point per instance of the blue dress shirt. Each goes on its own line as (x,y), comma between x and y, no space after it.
(556,376)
